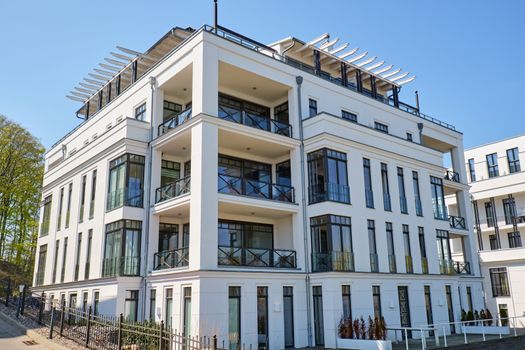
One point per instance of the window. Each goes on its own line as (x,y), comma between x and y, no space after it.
(96,301)
(422,249)
(494,244)
(131,304)
(514,239)
(450,307)
(417,194)
(186,292)
(126,181)
(234,320)
(46,216)
(438,198)
(262,317)
(281,114)
(312,107)
(472,170)
(168,237)
(60,202)
(169,172)
(408,251)
(55,261)
(152,304)
(84,301)
(88,254)
(140,112)
(469,298)
(428,307)
(283,174)
(390,247)
(381,127)
(349,116)
(386,187)
(402,193)
(245,235)
(369,194)
(409,137)
(64,257)
(489,212)
(186,235)
(374,267)
(404,308)
(77,257)
(499,281)
(168,317)
(513,157)
(347,301)
(187,168)
(492,164)
(376,296)
(443,245)
(122,248)
(509,208)
(68,210)
(42,255)
(317,294)
(288,317)
(93,194)
(503,312)
(82,199)
(327,176)
(332,243)
(170,109)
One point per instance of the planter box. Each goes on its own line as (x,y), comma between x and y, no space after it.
(487,330)
(364,344)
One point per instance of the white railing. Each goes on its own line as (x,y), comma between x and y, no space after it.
(442,331)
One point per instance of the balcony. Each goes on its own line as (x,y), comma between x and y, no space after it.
(170,259)
(457,222)
(173,189)
(121,266)
(329,192)
(255,121)
(257,257)
(451,267)
(339,261)
(409,264)
(253,188)
(392,266)
(452,176)
(374,263)
(174,120)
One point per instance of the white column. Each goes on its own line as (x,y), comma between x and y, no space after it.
(203,205)
(205,80)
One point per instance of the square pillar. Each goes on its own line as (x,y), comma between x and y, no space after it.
(205,83)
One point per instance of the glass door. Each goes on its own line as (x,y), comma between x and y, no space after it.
(318,315)
(288,317)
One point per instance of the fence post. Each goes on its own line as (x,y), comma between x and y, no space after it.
(52,322)
(464,333)
(41,308)
(160,334)
(23,300)
(62,311)
(214,342)
(445,336)
(120,331)
(406,338)
(88,326)
(483,330)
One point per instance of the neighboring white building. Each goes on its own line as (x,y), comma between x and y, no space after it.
(498,198)
(314,194)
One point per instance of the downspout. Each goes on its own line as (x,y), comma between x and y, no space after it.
(299,81)
(147,211)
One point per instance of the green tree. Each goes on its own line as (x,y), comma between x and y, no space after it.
(21,172)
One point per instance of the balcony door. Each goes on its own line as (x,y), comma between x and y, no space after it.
(244,177)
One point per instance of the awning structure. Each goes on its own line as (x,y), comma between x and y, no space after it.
(121,69)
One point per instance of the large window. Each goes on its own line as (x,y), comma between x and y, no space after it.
(288,317)
(472,169)
(40,273)
(422,249)
(443,245)
(417,194)
(168,237)
(55,261)
(402,192)
(450,308)
(327,176)
(332,243)
(168,316)
(152,305)
(68,209)
(367,174)
(509,209)
(428,307)
(88,254)
(438,198)
(492,164)
(387,203)
(374,266)
(493,241)
(170,109)
(281,113)
(513,157)
(514,239)
(64,258)
(46,216)
(122,248)
(500,282)
(186,291)
(131,304)
(489,213)
(126,181)
(234,318)
(77,255)
(283,173)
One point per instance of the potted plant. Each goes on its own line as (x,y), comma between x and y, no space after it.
(361,334)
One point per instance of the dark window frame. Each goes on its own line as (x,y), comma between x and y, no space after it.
(492,165)
(514,163)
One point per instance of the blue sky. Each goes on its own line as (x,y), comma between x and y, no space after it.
(468,55)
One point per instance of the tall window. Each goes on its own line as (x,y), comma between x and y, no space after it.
(317,294)
(376,296)
(408,251)
(513,157)
(472,169)
(390,247)
(152,304)
(60,203)
(262,317)
(509,208)
(349,116)
(96,301)
(428,306)
(331,243)
(234,318)
(450,307)
(327,176)
(288,317)
(422,249)
(131,304)
(140,112)
(443,245)
(312,107)
(402,193)
(64,257)
(417,194)
(88,254)
(126,181)
(499,281)
(281,113)
(489,213)
(187,311)
(469,298)
(46,216)
(386,187)
(168,317)
(347,301)
(438,198)
(84,301)
(169,172)
(492,164)
(374,266)
(122,248)
(42,255)
(77,257)
(93,194)
(514,239)
(493,241)
(283,174)
(68,210)
(82,199)
(367,173)
(55,261)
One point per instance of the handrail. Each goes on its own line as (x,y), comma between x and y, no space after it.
(256,257)
(252,188)
(457,222)
(175,120)
(169,259)
(173,189)
(452,176)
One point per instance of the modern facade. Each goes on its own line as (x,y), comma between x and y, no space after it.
(256,192)
(498,201)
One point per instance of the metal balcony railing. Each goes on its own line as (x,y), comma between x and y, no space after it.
(173,189)
(257,257)
(392,266)
(255,121)
(333,261)
(329,192)
(374,262)
(175,120)
(252,188)
(462,267)
(457,222)
(169,259)
(452,176)
(121,266)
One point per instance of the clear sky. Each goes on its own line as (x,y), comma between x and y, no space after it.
(469,56)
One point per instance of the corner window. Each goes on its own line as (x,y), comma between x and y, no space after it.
(492,164)
(327,176)
(122,248)
(312,107)
(126,181)
(140,112)
(513,157)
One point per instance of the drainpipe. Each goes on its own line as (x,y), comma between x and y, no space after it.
(299,81)
(147,210)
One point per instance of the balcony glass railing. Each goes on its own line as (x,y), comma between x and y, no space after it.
(392,267)
(252,188)
(170,259)
(419,207)
(387,203)
(446,267)
(374,262)
(333,261)
(255,121)
(329,192)
(457,222)
(121,266)
(257,257)
(403,206)
(173,189)
(409,264)
(369,198)
(424,265)
(174,120)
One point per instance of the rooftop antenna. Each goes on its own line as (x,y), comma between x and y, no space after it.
(216,15)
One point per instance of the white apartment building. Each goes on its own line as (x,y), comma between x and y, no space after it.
(498,201)
(256,192)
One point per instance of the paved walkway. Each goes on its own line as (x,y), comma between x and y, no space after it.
(12,338)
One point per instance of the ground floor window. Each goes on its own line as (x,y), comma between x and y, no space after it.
(450,307)
(168,318)
(131,305)
(262,317)
(347,302)
(503,311)
(96,300)
(318,315)
(234,318)
(376,296)
(187,311)
(152,304)
(288,317)
(500,282)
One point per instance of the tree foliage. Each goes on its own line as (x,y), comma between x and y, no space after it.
(21,172)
